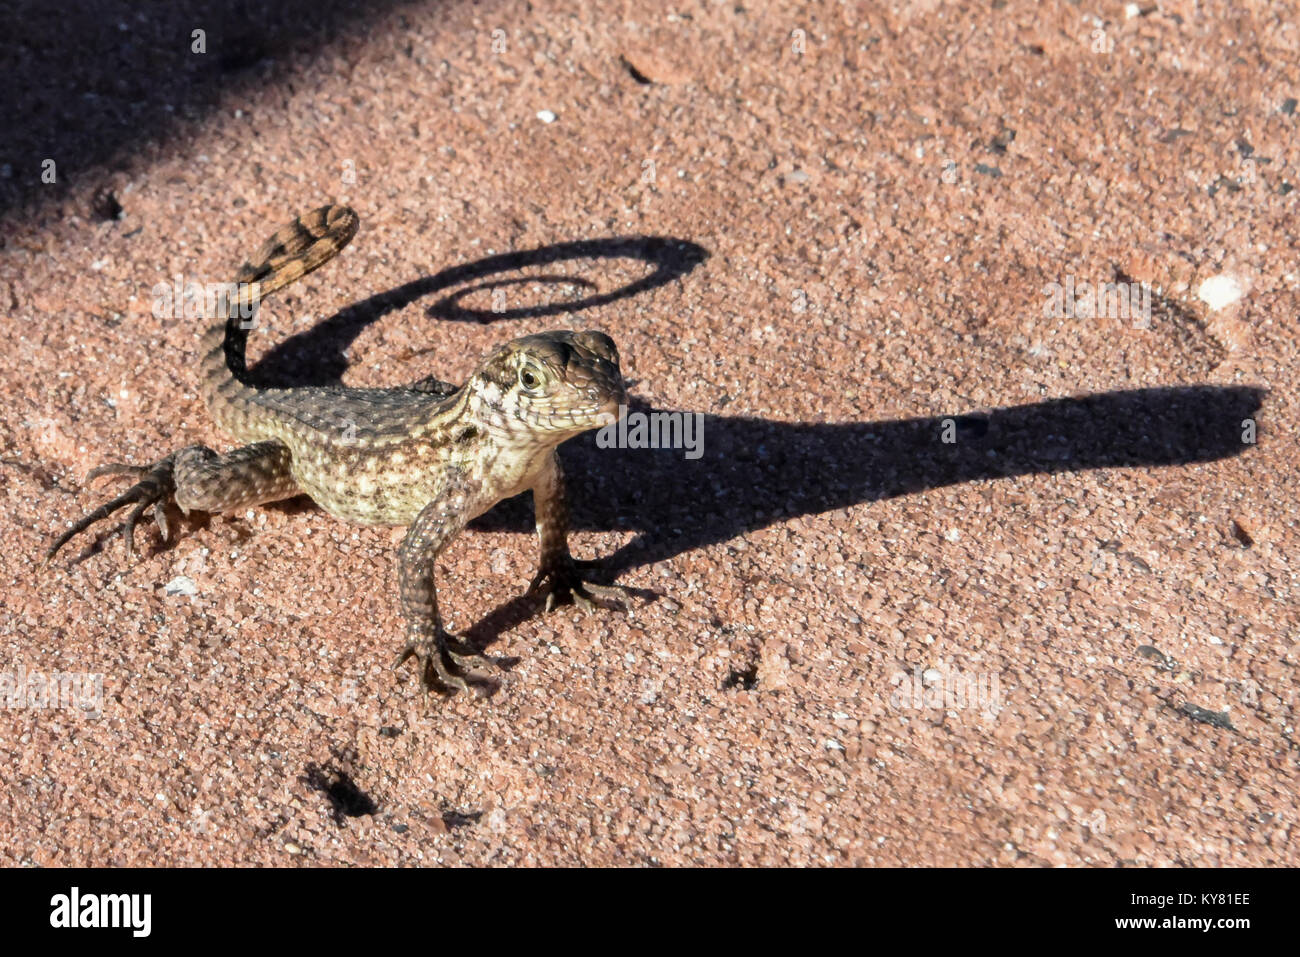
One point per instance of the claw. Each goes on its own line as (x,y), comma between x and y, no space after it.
(152,489)
(160,518)
(114,468)
(430,664)
(465,656)
(105,510)
(563,578)
(436,674)
(128,528)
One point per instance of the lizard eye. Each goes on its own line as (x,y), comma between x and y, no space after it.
(529,379)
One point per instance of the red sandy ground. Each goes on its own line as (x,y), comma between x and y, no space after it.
(877,244)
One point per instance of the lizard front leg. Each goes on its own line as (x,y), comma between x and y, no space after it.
(444,660)
(558,572)
(195,478)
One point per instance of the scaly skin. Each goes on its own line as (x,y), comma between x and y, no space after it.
(429,456)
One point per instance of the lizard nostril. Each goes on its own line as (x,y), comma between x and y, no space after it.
(598,343)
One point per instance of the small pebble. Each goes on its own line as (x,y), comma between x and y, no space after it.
(1221,291)
(181,585)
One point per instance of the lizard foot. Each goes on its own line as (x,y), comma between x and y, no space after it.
(155,486)
(563,577)
(445,662)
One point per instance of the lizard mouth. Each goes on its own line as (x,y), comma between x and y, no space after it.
(581,418)
(594,415)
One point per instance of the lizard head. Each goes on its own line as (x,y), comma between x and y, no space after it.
(556,384)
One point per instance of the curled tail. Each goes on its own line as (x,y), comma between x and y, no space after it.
(295,249)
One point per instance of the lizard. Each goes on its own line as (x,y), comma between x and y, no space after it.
(428,456)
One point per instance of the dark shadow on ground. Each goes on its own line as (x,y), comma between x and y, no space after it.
(87,82)
(755,473)
(318,356)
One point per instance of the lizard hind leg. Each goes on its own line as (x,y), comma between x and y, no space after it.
(194,477)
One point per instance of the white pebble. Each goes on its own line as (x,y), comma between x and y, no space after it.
(1219,292)
(181,585)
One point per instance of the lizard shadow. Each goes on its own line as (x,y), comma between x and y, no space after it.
(318,356)
(752,473)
